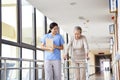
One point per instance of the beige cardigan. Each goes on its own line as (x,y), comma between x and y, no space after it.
(79,48)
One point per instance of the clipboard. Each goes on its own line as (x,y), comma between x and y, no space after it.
(49,43)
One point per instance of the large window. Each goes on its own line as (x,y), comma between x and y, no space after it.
(27,23)
(9,20)
(40,27)
(20,25)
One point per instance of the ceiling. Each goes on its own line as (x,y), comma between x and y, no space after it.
(92,15)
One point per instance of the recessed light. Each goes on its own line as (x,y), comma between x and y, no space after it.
(81,17)
(87,20)
(73,3)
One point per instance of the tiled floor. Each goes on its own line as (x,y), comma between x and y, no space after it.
(104,76)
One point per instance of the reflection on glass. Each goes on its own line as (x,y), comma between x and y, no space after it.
(11,75)
(27,23)
(11,52)
(27,54)
(40,56)
(9,20)
(40,73)
(40,27)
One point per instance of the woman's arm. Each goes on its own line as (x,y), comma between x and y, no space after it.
(43,47)
(59,47)
(86,47)
(69,45)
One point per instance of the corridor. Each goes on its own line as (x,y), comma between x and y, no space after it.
(24,23)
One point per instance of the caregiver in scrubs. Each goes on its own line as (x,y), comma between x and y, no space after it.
(52,58)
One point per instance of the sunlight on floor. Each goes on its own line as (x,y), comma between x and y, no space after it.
(104,76)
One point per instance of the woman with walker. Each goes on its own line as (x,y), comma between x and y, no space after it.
(79,47)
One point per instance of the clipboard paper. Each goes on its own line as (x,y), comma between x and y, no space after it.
(49,43)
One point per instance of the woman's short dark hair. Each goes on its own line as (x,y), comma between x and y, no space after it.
(52,25)
(78,28)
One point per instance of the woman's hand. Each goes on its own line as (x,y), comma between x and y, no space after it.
(51,49)
(55,46)
(58,47)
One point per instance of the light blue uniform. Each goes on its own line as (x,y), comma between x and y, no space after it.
(58,41)
(53,60)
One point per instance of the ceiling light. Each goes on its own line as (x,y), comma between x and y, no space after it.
(81,17)
(73,3)
(87,20)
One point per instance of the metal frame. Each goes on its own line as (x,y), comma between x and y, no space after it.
(5,68)
(45,24)
(0,35)
(67,59)
(73,67)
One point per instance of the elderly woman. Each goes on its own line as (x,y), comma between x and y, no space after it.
(79,47)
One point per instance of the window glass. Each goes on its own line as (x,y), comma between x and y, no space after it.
(10,52)
(27,73)
(40,56)
(40,27)
(9,20)
(27,23)
(48,23)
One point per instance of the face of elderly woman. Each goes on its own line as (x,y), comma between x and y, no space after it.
(77,34)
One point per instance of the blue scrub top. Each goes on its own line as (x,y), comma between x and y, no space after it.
(58,41)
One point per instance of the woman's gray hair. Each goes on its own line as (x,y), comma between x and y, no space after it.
(78,28)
